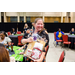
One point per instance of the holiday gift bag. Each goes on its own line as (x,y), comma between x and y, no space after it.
(34,49)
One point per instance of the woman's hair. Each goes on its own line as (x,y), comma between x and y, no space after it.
(3,33)
(25,24)
(12,29)
(37,20)
(4,54)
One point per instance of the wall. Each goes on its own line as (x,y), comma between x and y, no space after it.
(11,13)
(51,27)
(72,17)
(44,15)
(56,14)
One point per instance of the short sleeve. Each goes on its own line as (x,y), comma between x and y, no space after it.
(8,39)
(47,37)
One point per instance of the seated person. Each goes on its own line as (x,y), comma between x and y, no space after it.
(4,54)
(13,31)
(4,39)
(33,26)
(25,28)
(59,34)
(72,31)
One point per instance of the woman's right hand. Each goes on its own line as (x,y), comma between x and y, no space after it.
(30,39)
(28,31)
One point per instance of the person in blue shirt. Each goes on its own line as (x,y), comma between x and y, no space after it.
(72,31)
(59,34)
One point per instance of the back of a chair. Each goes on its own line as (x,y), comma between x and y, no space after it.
(62,57)
(65,38)
(9,33)
(55,36)
(19,32)
(47,49)
(19,39)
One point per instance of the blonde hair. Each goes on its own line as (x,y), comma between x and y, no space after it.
(25,26)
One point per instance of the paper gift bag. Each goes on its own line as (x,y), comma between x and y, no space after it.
(34,49)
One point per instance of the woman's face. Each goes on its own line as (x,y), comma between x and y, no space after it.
(25,25)
(39,25)
(13,30)
(72,29)
(2,35)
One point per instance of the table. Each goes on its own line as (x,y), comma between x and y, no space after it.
(14,38)
(15,53)
(71,38)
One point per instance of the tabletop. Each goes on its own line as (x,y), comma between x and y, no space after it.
(15,53)
(73,36)
(16,35)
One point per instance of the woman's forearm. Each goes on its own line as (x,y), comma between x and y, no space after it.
(24,41)
(27,40)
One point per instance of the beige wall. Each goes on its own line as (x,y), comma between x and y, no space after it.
(55,14)
(40,14)
(72,17)
(11,13)
(37,14)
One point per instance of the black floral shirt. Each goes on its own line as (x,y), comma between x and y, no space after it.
(42,34)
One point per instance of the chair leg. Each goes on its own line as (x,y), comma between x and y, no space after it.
(68,45)
(74,46)
(54,43)
(62,45)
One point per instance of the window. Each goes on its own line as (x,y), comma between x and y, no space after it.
(21,19)
(28,19)
(11,19)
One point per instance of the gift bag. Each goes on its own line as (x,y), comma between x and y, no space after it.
(35,49)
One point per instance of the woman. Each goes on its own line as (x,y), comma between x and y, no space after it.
(25,28)
(4,54)
(13,31)
(4,39)
(72,31)
(33,26)
(39,29)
